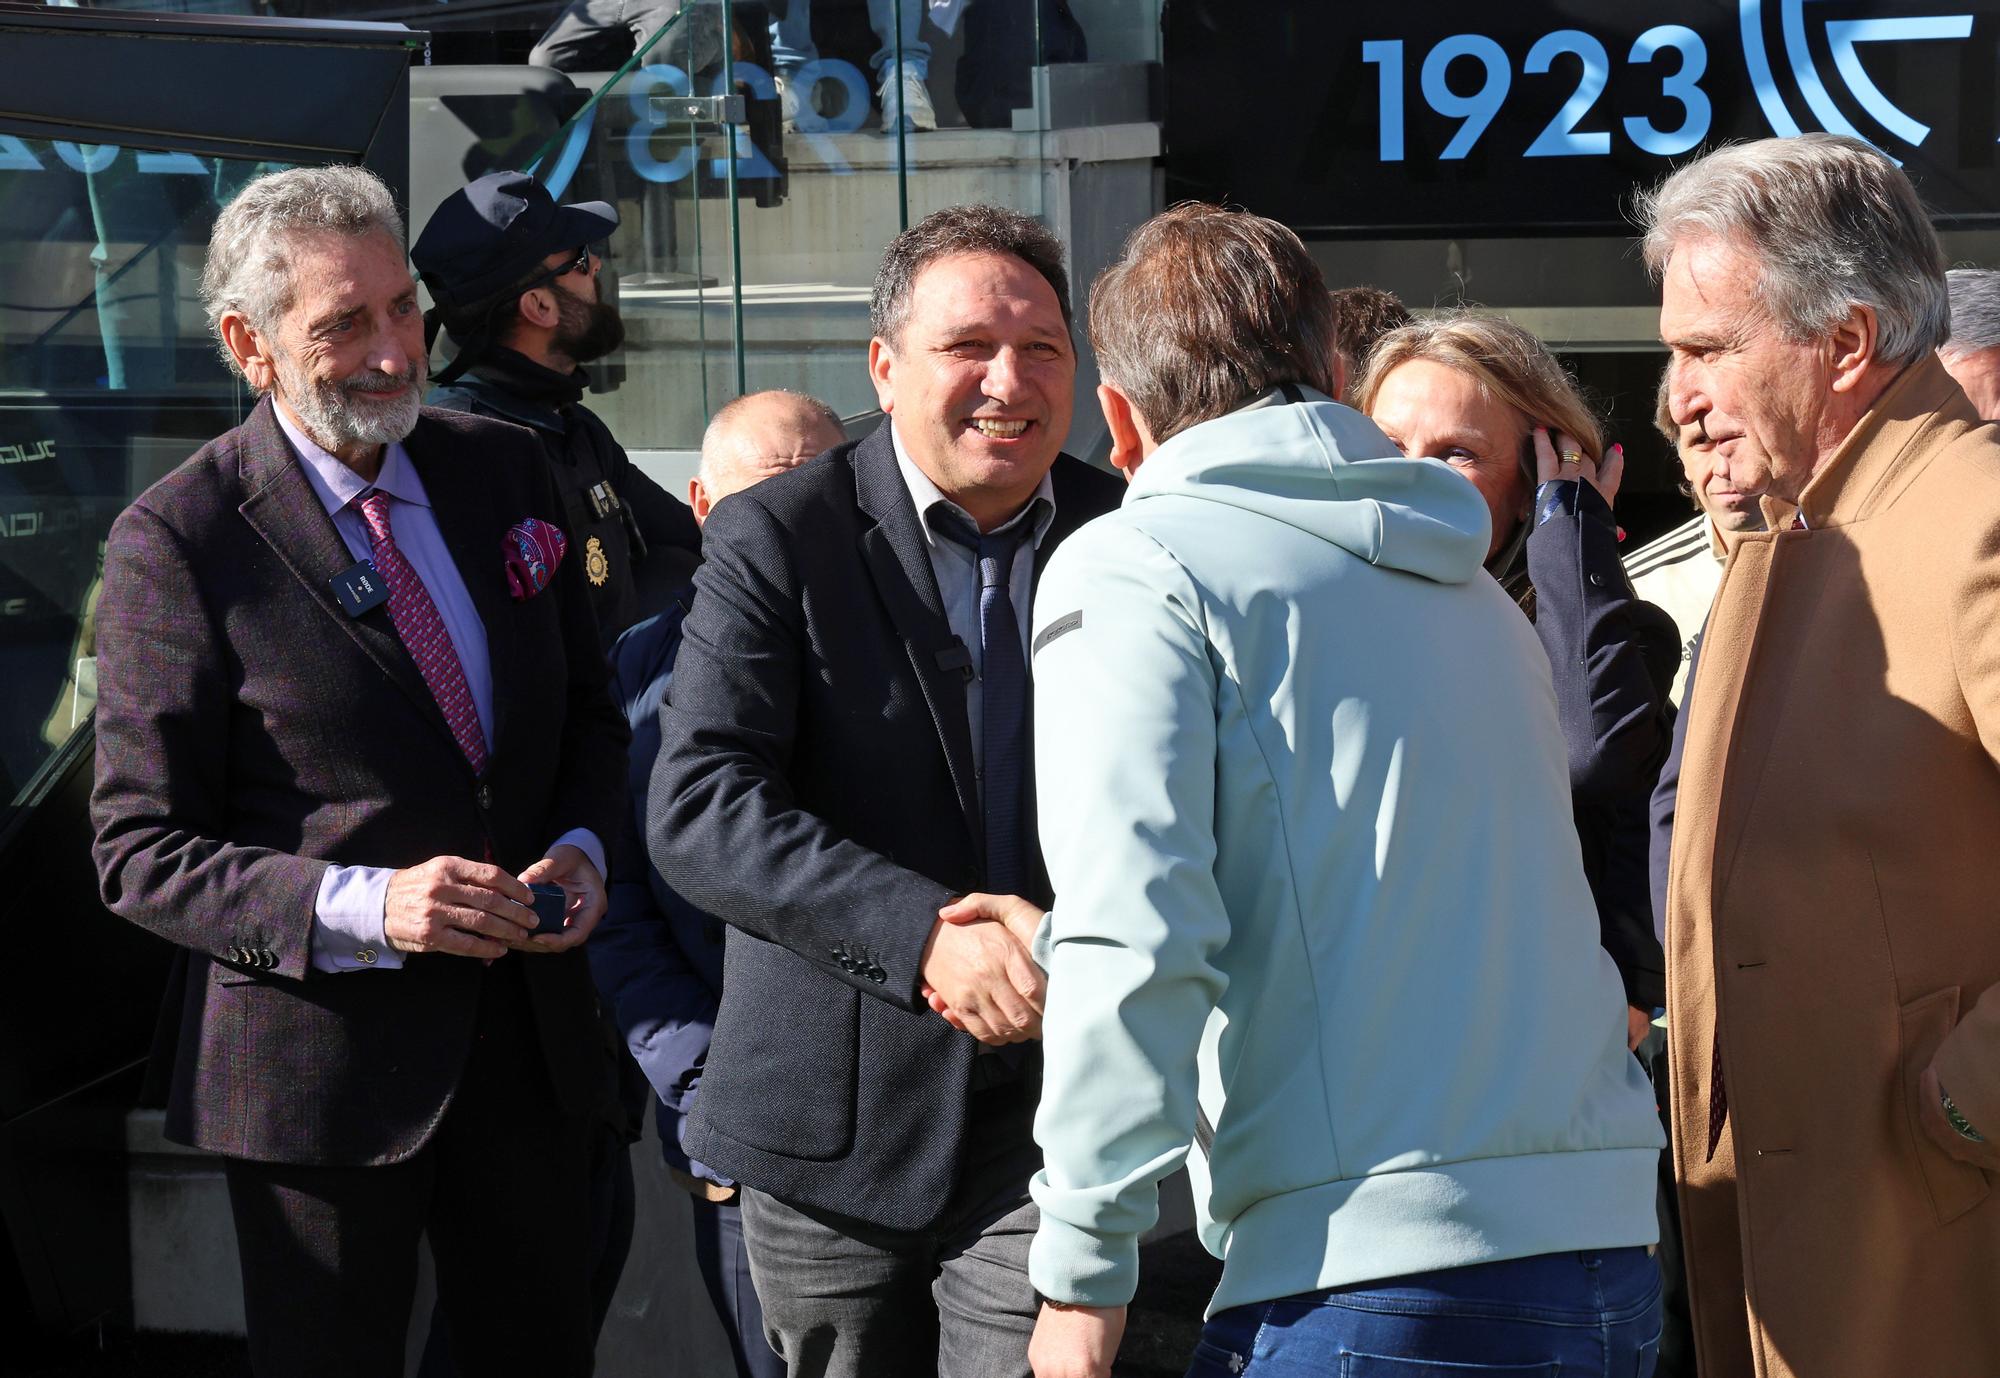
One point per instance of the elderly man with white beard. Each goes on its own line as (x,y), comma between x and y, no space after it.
(352,708)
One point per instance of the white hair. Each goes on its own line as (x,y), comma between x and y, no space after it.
(1832,223)
(1975,310)
(249,270)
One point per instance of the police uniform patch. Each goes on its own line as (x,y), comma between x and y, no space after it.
(595,563)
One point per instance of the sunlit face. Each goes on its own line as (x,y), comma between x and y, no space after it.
(348,358)
(980,380)
(1433,410)
(1714,492)
(1757,400)
(1978,372)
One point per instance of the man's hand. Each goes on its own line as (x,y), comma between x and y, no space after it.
(1076,1341)
(450,904)
(572,869)
(977,971)
(1023,918)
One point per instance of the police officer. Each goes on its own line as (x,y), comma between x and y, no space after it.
(514,279)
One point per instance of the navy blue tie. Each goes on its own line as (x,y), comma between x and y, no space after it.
(1003,699)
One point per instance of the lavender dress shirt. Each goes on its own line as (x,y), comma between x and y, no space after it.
(348,912)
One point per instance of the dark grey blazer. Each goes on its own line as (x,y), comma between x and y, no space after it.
(815,790)
(249,732)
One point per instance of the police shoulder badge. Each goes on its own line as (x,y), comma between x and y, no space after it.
(595,563)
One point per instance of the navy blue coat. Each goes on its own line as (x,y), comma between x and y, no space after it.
(656,958)
(1613,656)
(1666,796)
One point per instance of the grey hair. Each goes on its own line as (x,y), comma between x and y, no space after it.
(718,440)
(249,267)
(1832,223)
(1975,310)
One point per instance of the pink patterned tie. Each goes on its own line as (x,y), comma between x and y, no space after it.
(417,622)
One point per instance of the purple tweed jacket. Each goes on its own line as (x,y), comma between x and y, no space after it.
(249,733)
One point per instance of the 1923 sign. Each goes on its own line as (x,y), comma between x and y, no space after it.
(1462,117)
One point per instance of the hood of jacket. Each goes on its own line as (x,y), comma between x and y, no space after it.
(1327,470)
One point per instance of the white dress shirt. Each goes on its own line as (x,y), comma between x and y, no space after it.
(957,573)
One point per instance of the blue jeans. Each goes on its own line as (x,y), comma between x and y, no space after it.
(1594,1314)
(792,37)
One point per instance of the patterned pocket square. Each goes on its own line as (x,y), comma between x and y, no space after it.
(533,549)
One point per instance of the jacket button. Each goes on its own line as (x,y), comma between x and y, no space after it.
(877,975)
(1597,581)
(483,795)
(235,954)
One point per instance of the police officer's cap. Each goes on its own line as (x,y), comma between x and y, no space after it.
(496,232)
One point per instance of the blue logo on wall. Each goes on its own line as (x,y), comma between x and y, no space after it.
(1842,36)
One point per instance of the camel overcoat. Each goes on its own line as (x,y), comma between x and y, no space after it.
(1834,916)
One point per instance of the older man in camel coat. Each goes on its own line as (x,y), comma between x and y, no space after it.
(1832,919)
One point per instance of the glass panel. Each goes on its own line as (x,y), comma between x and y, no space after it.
(753,226)
(651,141)
(964,80)
(108,379)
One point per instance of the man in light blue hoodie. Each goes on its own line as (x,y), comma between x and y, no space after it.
(1319,902)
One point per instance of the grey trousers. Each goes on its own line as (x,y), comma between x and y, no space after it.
(598,35)
(846,1299)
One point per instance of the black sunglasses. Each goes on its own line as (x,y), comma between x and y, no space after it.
(580,264)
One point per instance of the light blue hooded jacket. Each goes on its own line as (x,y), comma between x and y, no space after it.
(1305,804)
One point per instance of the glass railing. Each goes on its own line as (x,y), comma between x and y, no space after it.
(755,200)
(108,379)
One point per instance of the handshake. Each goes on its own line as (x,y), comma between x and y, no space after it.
(978,970)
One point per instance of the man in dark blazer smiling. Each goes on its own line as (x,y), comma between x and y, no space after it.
(845,746)
(351,705)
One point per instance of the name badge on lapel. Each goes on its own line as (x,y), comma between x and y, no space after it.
(359,588)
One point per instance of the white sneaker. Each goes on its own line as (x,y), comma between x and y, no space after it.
(909,102)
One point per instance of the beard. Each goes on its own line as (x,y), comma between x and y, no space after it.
(342,412)
(585,330)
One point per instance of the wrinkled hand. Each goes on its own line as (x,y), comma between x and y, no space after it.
(977,971)
(450,904)
(1604,476)
(571,868)
(1076,1342)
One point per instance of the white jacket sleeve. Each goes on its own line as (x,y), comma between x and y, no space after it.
(1125,737)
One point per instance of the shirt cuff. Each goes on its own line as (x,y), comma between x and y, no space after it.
(347,921)
(1043,949)
(584,840)
(1556,495)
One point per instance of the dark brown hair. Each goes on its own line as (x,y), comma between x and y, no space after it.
(1207,309)
(1361,316)
(961,230)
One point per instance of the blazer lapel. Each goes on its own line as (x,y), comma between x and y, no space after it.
(473,529)
(287,513)
(898,559)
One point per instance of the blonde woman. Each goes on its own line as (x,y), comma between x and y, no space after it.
(1487,398)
